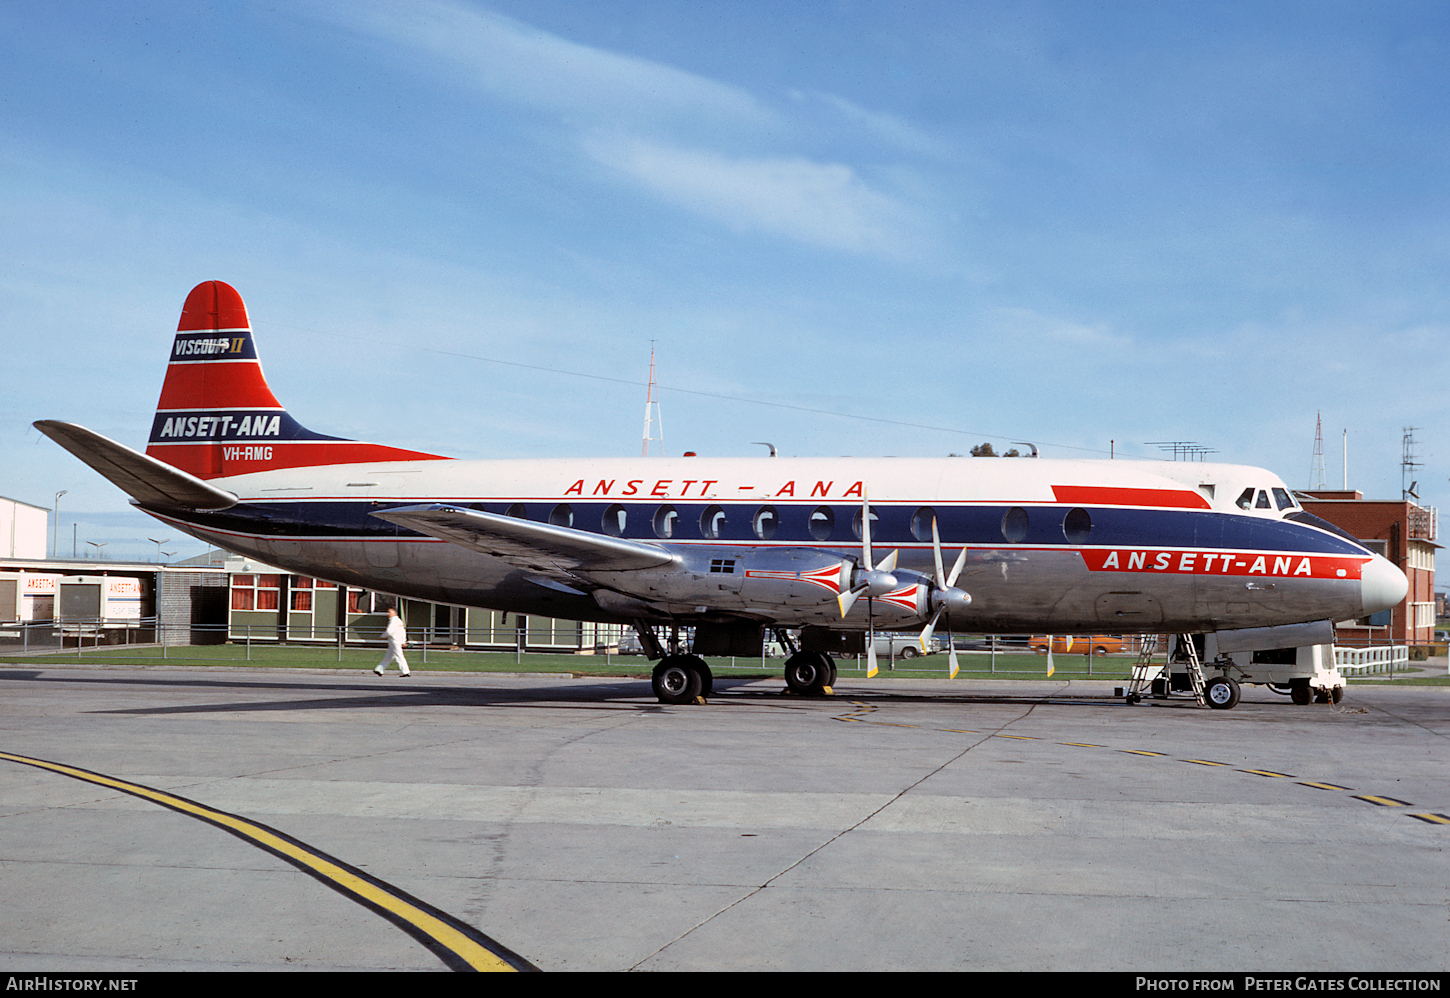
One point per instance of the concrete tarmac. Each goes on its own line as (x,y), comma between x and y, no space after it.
(898,825)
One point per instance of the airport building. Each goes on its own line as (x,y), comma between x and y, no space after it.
(48,603)
(22,529)
(1405,533)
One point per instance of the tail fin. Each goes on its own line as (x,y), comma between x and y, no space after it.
(218,418)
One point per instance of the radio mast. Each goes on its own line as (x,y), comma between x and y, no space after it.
(652,410)
(1316,467)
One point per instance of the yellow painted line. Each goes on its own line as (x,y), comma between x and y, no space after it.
(459,945)
(1205,762)
(1021,738)
(960,731)
(1082,744)
(1382,801)
(1434,819)
(1268,772)
(1322,786)
(1134,751)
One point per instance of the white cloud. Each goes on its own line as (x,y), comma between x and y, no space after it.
(823,204)
(511,60)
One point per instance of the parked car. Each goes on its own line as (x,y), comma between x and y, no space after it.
(1078,644)
(904,645)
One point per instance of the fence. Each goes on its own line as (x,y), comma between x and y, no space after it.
(974,656)
(1365,661)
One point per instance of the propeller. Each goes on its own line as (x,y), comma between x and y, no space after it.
(869,580)
(946,597)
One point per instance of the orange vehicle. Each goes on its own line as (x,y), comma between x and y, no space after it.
(1078,644)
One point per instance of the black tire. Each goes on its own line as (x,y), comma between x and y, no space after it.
(1336,694)
(910,652)
(707,678)
(808,673)
(675,680)
(1299,692)
(831,679)
(1221,692)
(1100,650)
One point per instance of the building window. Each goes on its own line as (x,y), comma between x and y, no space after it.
(301,593)
(256,592)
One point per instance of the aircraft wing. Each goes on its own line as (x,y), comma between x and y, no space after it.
(145,479)
(539,547)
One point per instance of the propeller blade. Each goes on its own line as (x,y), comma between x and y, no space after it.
(952,655)
(866,535)
(888,564)
(1050,667)
(961,563)
(870,641)
(848,599)
(941,575)
(926,631)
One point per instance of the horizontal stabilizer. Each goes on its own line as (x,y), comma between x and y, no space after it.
(539,547)
(145,479)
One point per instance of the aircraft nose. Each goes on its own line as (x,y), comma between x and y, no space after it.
(1381,586)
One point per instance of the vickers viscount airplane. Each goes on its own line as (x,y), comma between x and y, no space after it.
(731,546)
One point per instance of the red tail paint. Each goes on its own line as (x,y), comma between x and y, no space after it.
(217,416)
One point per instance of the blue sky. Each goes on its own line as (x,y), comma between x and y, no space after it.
(847,227)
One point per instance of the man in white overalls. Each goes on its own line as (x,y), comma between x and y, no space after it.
(397,637)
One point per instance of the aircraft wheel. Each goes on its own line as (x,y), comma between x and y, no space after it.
(808,673)
(1299,692)
(675,680)
(707,678)
(1222,693)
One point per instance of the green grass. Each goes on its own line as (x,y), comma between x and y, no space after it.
(1398,681)
(317,657)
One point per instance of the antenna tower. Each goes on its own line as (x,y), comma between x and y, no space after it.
(1408,464)
(1316,467)
(652,410)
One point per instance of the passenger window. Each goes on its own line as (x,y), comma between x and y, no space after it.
(562,516)
(1077,525)
(517,511)
(856,523)
(664,522)
(1245,500)
(1282,497)
(921,523)
(1014,525)
(712,523)
(613,522)
(764,522)
(1263,502)
(823,523)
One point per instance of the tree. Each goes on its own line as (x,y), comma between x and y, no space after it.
(983,450)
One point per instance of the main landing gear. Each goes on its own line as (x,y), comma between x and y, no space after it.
(682,679)
(810,673)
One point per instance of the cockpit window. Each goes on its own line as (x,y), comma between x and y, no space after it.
(1245,500)
(1263,502)
(1282,497)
